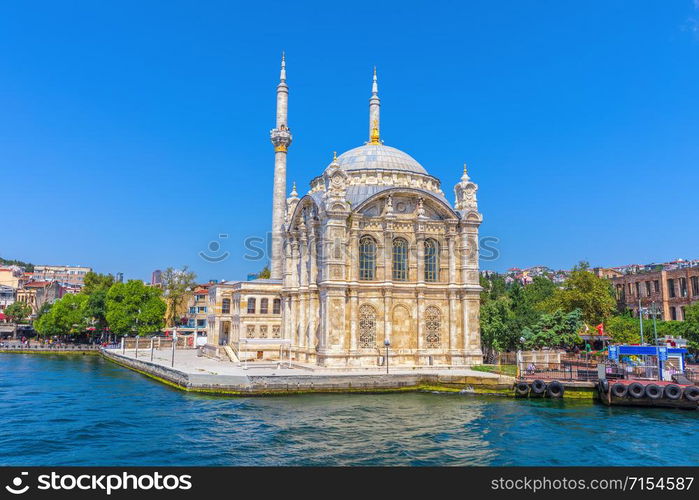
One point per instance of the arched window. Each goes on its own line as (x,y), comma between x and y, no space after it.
(367,258)
(433,327)
(400,259)
(277,306)
(252,304)
(431,260)
(367,326)
(226,306)
(264,306)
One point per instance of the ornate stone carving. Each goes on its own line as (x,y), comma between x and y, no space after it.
(367,326)
(281,138)
(465,192)
(433,327)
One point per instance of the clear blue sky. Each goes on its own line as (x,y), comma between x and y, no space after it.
(133,133)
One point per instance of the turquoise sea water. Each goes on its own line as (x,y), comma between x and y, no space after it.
(83,410)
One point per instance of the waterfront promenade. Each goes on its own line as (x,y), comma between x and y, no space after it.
(201,374)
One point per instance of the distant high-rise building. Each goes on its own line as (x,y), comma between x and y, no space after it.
(119,277)
(156,277)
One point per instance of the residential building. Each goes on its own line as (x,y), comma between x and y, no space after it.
(38,293)
(7,296)
(70,275)
(245,310)
(196,314)
(13,276)
(670,290)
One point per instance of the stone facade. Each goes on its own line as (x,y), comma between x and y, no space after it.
(398,265)
(249,310)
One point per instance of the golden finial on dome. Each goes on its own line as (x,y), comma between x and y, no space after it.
(334,155)
(374,139)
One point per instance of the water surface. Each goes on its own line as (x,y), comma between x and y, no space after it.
(83,410)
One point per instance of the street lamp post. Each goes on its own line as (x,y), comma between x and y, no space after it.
(387,343)
(174,342)
(640,318)
(654,309)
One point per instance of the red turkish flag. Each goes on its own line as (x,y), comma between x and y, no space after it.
(600,329)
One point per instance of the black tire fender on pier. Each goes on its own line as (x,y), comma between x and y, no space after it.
(654,391)
(521,389)
(636,390)
(555,389)
(620,390)
(604,386)
(673,391)
(538,387)
(691,393)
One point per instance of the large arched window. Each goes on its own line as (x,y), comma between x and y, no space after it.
(367,326)
(367,258)
(433,327)
(400,259)
(431,260)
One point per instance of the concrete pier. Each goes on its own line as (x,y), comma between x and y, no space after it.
(200,374)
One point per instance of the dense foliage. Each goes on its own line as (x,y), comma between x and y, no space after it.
(122,308)
(17,312)
(134,308)
(13,262)
(543,314)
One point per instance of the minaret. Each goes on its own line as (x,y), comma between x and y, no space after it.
(374,107)
(281,138)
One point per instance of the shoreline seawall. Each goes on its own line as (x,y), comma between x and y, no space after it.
(285,383)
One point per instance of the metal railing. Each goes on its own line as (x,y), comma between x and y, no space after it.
(48,347)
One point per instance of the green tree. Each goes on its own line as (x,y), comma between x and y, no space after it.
(65,317)
(47,324)
(14,262)
(17,312)
(178,285)
(691,318)
(624,329)
(133,307)
(558,329)
(94,282)
(583,290)
(494,287)
(265,273)
(96,288)
(539,290)
(497,334)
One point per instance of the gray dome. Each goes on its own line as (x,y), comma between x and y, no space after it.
(379,157)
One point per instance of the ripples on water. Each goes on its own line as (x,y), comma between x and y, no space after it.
(83,410)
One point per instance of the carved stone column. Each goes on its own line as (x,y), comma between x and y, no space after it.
(354,312)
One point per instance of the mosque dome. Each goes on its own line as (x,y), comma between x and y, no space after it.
(378,157)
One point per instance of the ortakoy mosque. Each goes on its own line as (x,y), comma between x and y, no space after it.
(373,252)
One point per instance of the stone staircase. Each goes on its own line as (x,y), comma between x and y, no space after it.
(231,355)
